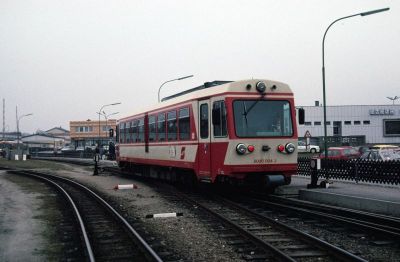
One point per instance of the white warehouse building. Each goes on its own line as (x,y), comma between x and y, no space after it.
(355,124)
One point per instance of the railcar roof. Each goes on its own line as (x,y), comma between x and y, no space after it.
(216,88)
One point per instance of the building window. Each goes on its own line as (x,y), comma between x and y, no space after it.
(317,123)
(172,126)
(357,122)
(391,127)
(328,123)
(347,122)
(366,122)
(307,123)
(184,124)
(152,128)
(220,125)
(161,127)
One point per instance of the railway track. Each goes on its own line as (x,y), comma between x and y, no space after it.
(247,233)
(260,238)
(105,234)
(383,226)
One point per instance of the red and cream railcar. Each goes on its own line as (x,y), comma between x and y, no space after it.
(239,132)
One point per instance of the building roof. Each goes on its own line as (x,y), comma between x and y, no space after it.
(57,128)
(42,135)
(41,139)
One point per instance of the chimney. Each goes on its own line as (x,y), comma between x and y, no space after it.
(316,103)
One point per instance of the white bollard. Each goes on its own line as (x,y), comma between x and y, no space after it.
(129,186)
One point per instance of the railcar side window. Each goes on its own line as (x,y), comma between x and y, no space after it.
(204,121)
(172,126)
(121,133)
(184,124)
(161,127)
(140,130)
(124,132)
(219,124)
(134,131)
(129,132)
(152,128)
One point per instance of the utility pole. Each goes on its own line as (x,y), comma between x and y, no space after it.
(4,119)
(16,119)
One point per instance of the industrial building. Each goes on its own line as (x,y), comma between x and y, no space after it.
(352,124)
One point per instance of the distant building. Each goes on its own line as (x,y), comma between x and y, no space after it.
(59,132)
(9,136)
(42,142)
(353,124)
(87,133)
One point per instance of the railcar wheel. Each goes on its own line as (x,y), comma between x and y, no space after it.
(270,190)
(288,180)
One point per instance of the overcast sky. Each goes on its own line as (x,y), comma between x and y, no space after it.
(63,60)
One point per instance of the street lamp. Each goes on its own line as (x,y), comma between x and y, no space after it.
(108,115)
(393,98)
(181,78)
(101,109)
(323,66)
(18,119)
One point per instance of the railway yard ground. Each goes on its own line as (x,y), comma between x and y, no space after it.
(31,216)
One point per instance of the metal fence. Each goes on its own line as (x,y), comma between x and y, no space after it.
(72,154)
(375,171)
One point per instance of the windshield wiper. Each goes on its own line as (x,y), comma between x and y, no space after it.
(245,112)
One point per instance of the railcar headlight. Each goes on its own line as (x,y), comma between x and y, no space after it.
(289,148)
(261,87)
(241,149)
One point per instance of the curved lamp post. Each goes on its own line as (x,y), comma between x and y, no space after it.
(18,119)
(101,109)
(323,66)
(180,78)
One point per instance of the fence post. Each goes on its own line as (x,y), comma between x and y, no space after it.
(315,165)
(356,170)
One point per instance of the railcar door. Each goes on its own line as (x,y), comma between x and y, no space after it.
(204,148)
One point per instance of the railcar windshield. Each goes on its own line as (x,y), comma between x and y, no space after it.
(261,118)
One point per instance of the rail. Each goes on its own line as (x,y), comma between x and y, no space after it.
(150,254)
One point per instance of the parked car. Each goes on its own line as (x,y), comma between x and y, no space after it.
(301,147)
(67,149)
(382,154)
(341,153)
(362,149)
(384,147)
(80,149)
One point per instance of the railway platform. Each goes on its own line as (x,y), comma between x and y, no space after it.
(370,197)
